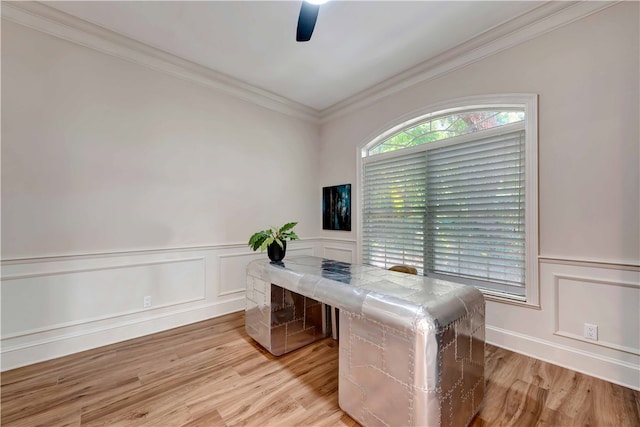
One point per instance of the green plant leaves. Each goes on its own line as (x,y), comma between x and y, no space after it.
(257,239)
(288,226)
(262,239)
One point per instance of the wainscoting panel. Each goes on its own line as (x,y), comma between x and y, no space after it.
(614,306)
(33,303)
(52,307)
(339,250)
(573,293)
(305,248)
(56,306)
(231,269)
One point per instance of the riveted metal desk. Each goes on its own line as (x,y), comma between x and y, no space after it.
(411,348)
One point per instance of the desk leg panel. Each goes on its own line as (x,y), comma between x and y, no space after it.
(281,320)
(416,378)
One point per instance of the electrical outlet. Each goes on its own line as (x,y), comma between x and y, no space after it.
(147,301)
(591,331)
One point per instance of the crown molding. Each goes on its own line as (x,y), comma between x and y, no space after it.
(541,20)
(43,18)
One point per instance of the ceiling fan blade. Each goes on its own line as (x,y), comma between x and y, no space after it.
(307,21)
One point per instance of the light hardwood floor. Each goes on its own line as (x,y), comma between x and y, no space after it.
(212,374)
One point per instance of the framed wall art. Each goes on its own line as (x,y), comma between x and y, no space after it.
(336,207)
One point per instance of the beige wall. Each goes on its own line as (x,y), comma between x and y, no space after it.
(101,155)
(132,183)
(587,77)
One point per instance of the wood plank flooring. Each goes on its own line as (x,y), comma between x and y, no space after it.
(212,374)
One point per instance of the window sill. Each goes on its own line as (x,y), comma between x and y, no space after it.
(490,296)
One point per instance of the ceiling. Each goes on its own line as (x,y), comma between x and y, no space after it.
(355,45)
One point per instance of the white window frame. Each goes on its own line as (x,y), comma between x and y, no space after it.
(519,100)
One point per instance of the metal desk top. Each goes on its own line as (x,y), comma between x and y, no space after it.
(404,301)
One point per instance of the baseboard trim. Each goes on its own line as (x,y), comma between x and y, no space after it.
(595,365)
(38,351)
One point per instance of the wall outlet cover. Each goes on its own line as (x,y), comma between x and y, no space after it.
(591,331)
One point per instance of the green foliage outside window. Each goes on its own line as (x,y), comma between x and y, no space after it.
(449,126)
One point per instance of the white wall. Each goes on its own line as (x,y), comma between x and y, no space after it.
(586,75)
(99,154)
(120,182)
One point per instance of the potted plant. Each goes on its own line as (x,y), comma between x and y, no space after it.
(274,240)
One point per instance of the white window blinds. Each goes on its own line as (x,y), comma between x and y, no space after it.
(475,211)
(454,211)
(394,208)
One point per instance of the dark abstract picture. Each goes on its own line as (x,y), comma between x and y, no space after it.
(336,207)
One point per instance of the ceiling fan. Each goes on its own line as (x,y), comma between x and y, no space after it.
(307,19)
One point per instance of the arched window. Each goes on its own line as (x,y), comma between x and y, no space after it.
(447,193)
(448,126)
